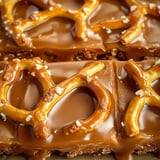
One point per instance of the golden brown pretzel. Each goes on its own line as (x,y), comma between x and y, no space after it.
(52,94)
(133,23)
(146,95)
(17,28)
(43,4)
(11,74)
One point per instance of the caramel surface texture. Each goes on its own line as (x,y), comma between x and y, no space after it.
(79,121)
(78,30)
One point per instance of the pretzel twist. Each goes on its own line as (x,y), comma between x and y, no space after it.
(146,95)
(133,23)
(52,94)
(17,27)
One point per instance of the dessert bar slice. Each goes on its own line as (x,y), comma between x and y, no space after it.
(79,107)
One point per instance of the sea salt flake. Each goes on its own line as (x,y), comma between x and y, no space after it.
(28,118)
(152,5)
(108,31)
(59,90)
(4,117)
(125,20)
(133,8)
(157,62)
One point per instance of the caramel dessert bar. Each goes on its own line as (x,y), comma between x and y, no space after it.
(60,30)
(79,107)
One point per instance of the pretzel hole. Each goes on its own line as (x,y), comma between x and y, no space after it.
(53,27)
(130,88)
(70,4)
(115,9)
(129,83)
(25,93)
(149,118)
(26,12)
(156,86)
(78,104)
(57,29)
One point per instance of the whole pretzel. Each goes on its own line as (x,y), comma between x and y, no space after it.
(52,94)
(146,95)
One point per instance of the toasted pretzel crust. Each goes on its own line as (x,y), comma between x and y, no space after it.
(52,94)
(145,95)
(132,23)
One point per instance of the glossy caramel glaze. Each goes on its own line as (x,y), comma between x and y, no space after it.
(80,103)
(56,39)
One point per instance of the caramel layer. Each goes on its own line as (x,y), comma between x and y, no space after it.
(70,120)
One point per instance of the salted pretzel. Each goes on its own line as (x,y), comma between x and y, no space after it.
(52,94)
(17,27)
(132,23)
(145,95)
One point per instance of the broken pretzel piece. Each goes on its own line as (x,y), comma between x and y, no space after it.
(132,23)
(146,95)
